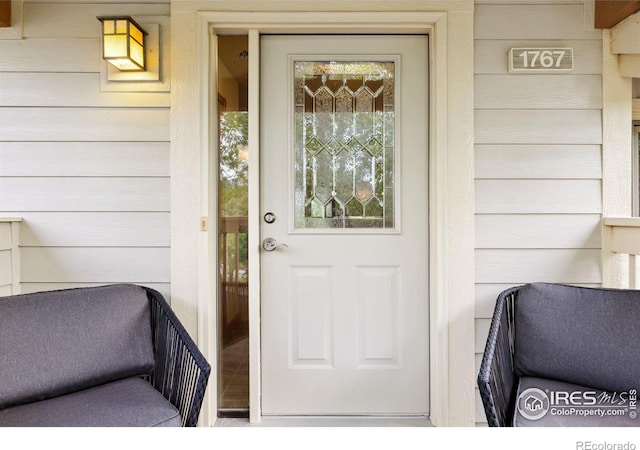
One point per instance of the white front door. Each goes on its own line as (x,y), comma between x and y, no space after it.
(344,154)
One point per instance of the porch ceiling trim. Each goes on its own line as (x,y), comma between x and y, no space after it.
(625,43)
(5,13)
(11,14)
(624,36)
(610,13)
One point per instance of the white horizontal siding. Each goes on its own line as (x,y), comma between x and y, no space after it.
(84,124)
(78,20)
(526,21)
(90,159)
(538,163)
(538,92)
(70,89)
(84,194)
(88,171)
(538,196)
(538,126)
(98,264)
(62,55)
(519,266)
(538,231)
(101,229)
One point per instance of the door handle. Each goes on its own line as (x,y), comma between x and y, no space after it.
(270,244)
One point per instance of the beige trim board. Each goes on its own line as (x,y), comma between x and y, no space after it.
(616,160)
(452,379)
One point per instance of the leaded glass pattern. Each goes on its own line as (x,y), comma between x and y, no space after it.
(344,144)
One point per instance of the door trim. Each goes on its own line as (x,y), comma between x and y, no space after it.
(451,196)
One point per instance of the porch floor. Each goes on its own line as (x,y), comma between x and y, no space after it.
(327,421)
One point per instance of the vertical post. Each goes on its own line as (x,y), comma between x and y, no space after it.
(10,252)
(16,286)
(255,409)
(616,159)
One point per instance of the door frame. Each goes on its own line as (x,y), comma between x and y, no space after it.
(451,193)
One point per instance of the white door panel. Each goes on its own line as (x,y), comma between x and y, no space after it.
(345,303)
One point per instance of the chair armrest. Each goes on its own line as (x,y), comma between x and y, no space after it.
(496,379)
(181,372)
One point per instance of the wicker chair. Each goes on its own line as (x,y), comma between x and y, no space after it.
(181,372)
(554,349)
(112,355)
(496,380)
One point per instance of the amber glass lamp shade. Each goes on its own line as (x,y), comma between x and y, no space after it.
(123,43)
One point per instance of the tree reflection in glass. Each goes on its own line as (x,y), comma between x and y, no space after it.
(344,144)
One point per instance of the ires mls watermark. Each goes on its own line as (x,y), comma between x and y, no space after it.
(534,403)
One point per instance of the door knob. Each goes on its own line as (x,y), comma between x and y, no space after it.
(270,244)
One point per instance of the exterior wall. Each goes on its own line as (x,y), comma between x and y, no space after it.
(88,171)
(538,166)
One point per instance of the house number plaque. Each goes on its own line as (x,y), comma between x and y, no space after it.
(540,60)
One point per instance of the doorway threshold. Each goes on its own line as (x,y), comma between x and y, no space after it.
(328,421)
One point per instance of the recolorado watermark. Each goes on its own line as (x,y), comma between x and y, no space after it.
(534,404)
(589,445)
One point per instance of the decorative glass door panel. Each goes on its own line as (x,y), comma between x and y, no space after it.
(344,144)
(344,310)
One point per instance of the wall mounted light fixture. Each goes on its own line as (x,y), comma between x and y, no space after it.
(155,76)
(123,43)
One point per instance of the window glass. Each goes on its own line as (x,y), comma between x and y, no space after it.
(344,144)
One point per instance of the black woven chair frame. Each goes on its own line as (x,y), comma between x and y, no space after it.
(496,379)
(181,372)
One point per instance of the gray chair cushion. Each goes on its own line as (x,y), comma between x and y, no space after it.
(579,335)
(52,343)
(126,403)
(589,407)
